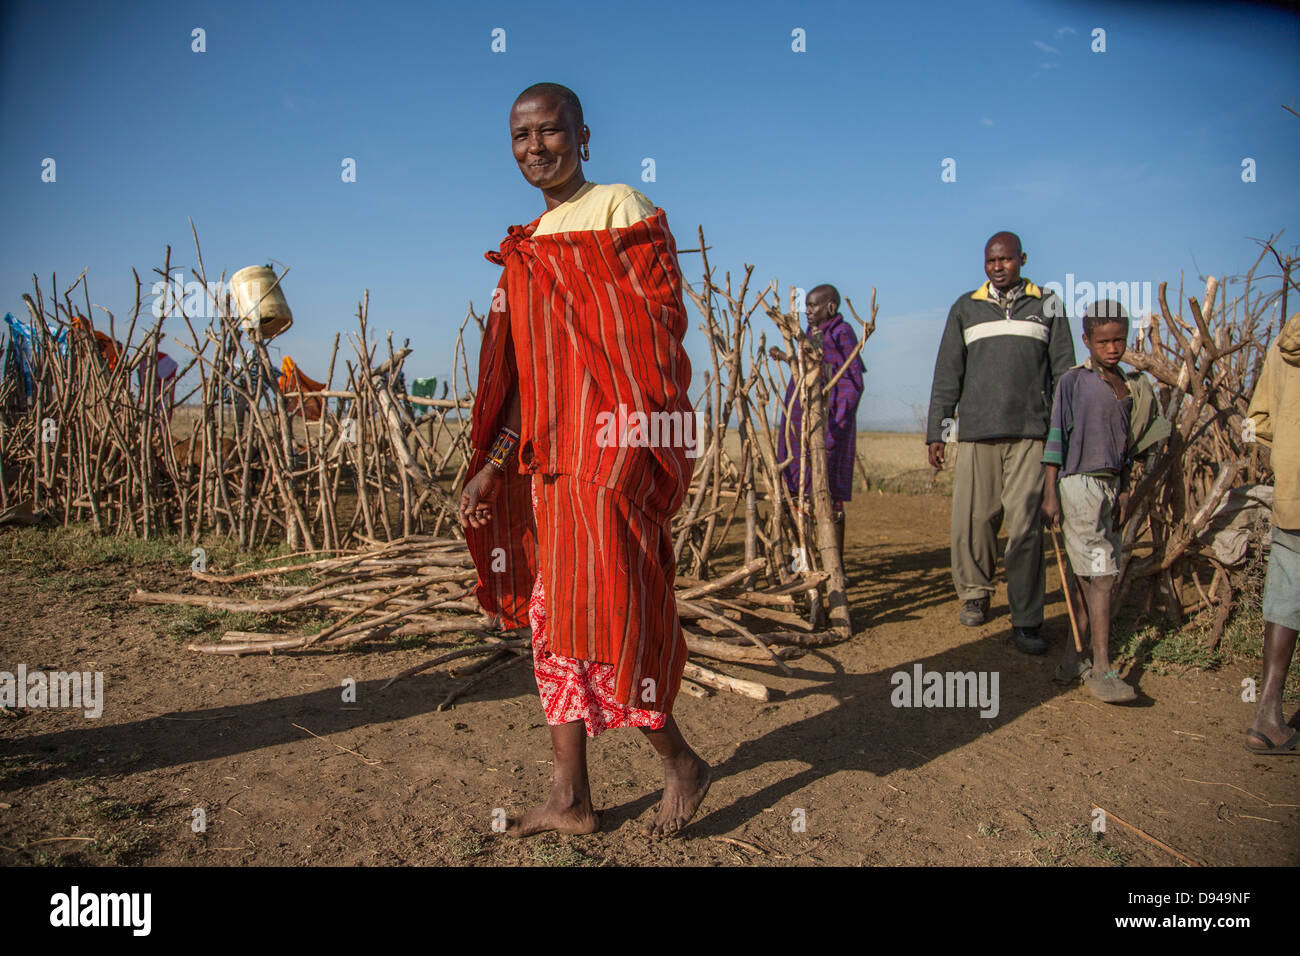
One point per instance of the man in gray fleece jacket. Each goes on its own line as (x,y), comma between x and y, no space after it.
(1003,349)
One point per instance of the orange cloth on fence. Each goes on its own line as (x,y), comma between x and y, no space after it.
(109,350)
(590,328)
(292,381)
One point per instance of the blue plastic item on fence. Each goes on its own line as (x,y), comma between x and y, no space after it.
(24,348)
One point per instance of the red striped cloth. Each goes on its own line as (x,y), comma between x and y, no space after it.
(504,552)
(579,690)
(590,325)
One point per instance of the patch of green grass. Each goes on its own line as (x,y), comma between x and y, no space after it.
(298,577)
(123,850)
(73,582)
(107,808)
(1165,649)
(1057,849)
(309,620)
(186,622)
(42,858)
(560,854)
(76,548)
(468,846)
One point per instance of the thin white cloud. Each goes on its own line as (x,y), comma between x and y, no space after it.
(1062,31)
(1046,47)
(985,121)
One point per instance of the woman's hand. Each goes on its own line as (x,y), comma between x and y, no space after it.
(478,496)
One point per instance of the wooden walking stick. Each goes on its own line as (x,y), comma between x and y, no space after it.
(1065,586)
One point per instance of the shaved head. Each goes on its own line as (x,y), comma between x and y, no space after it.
(554,91)
(1005,237)
(828,291)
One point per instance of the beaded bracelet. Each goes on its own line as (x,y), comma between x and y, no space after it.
(502,448)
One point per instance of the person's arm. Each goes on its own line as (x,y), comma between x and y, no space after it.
(1051,500)
(1054,453)
(945,391)
(513,415)
(1259,414)
(481,491)
(847,393)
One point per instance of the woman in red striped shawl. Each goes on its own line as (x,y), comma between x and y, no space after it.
(582,432)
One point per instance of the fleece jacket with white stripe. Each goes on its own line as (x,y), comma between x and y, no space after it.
(998,365)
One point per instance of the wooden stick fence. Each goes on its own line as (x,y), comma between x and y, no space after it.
(373,482)
(367,492)
(1205,368)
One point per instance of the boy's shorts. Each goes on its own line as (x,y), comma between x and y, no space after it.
(1088,512)
(1282,580)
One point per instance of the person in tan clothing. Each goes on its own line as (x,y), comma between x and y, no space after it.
(1274,416)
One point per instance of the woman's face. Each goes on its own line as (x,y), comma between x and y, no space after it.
(545,140)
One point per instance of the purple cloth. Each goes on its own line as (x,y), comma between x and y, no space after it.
(842,411)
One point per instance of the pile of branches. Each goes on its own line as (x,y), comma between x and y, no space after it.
(1205,363)
(422,586)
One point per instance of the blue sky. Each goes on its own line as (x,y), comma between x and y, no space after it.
(820,166)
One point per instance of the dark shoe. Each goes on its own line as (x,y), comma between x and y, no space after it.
(975,612)
(1027,640)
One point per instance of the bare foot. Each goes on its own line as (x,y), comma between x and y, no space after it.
(570,815)
(686,781)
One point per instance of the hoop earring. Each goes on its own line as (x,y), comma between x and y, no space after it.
(586,152)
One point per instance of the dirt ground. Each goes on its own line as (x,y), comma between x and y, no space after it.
(287,773)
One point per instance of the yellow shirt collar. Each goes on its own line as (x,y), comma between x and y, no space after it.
(982,293)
